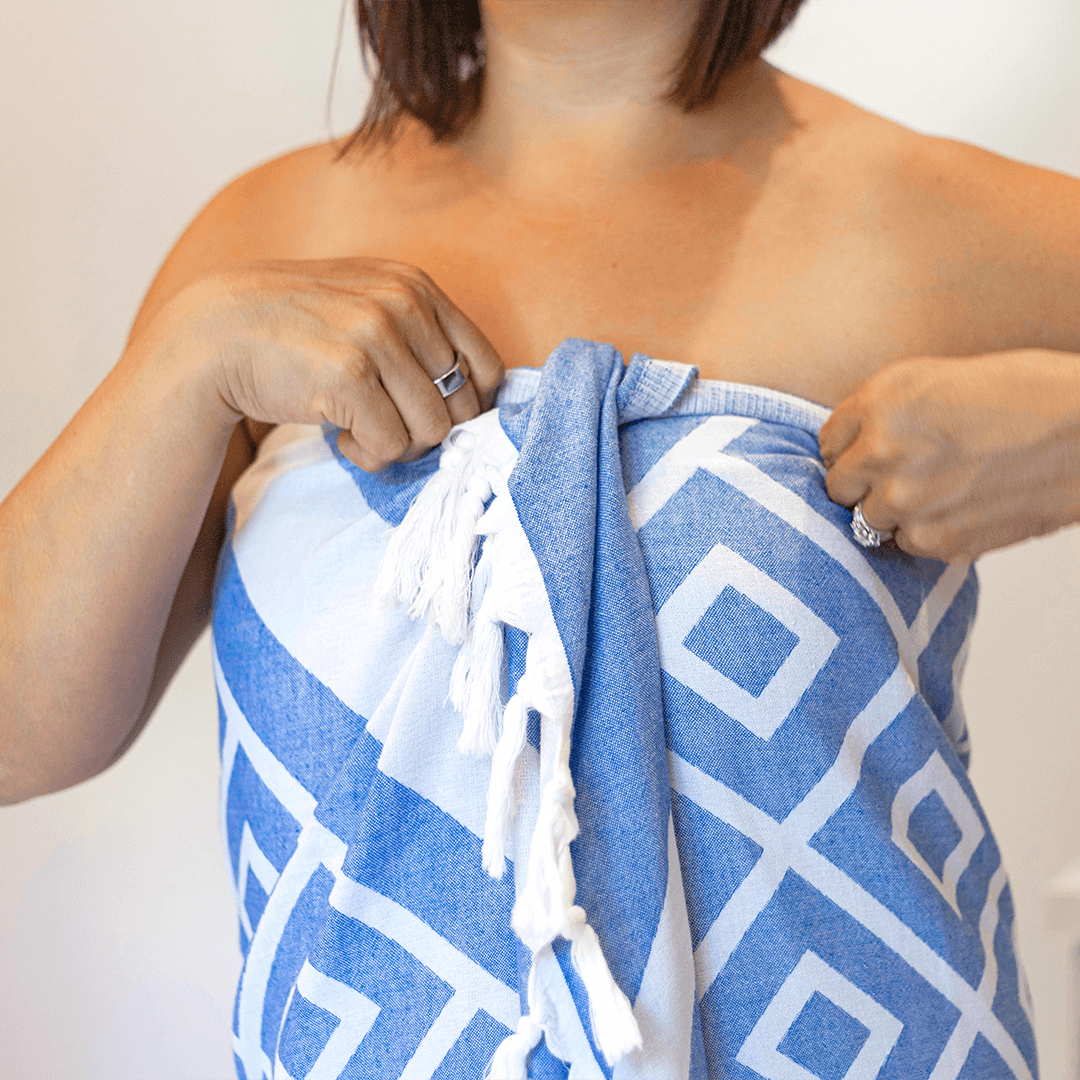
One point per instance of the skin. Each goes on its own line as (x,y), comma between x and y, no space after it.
(780,237)
(961,457)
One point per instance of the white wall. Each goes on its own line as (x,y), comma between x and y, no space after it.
(118,120)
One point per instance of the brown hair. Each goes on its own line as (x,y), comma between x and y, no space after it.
(429,58)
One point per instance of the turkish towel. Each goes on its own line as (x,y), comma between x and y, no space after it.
(592,745)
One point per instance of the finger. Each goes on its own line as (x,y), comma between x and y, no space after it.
(839,431)
(849,478)
(927,540)
(876,514)
(464,401)
(349,447)
(377,435)
(462,404)
(423,410)
(486,369)
(419,327)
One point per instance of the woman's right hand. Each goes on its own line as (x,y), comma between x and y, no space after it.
(110,542)
(353,342)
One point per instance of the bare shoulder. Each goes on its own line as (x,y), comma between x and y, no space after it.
(1024,200)
(1004,238)
(269,212)
(988,246)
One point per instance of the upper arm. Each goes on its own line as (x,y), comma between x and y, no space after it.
(190,611)
(1003,239)
(235,226)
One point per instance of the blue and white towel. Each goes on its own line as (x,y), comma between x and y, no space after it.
(593,746)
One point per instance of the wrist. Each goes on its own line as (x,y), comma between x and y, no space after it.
(1054,376)
(179,360)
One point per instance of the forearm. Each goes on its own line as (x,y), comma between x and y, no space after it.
(94,542)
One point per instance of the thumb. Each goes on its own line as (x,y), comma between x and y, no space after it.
(349,447)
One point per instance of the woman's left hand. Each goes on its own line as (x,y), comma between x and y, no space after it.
(961,456)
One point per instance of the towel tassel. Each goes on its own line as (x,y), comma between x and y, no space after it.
(511,1058)
(545,909)
(430,556)
(476,683)
(614,1027)
(429,566)
(500,807)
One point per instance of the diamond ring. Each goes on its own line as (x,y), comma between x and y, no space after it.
(865,534)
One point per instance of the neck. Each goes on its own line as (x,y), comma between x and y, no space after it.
(574,92)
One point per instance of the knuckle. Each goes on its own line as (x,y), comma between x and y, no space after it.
(399,293)
(345,373)
(876,442)
(377,319)
(342,356)
(863,403)
(359,366)
(414,276)
(894,495)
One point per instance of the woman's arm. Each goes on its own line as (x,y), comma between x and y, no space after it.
(962,456)
(96,538)
(979,448)
(108,545)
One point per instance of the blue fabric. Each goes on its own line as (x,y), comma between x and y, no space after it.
(747,680)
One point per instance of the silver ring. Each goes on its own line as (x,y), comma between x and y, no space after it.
(865,534)
(453,380)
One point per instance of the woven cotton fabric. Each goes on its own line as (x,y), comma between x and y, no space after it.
(778,847)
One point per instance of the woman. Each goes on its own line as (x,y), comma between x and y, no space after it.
(733,206)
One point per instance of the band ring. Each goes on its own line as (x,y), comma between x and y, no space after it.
(865,534)
(453,380)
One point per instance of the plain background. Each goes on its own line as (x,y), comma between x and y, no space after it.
(119,119)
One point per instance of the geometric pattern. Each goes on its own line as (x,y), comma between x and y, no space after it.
(857,922)
(724,571)
(811,976)
(739,638)
(935,778)
(319,849)
(354,1015)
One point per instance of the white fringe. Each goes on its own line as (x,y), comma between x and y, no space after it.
(476,683)
(500,808)
(545,909)
(429,567)
(430,555)
(511,1058)
(614,1027)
